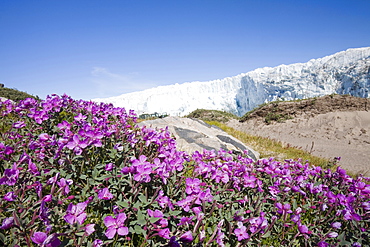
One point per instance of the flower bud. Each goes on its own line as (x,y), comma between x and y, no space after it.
(332,235)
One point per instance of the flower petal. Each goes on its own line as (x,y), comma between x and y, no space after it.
(121,219)
(89,228)
(7,223)
(81,218)
(122,231)
(70,218)
(110,232)
(80,207)
(109,221)
(39,237)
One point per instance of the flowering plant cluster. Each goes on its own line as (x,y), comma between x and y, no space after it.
(78,173)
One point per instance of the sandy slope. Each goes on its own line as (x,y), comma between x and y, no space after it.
(333,134)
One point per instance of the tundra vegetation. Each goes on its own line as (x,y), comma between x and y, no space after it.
(14,94)
(78,173)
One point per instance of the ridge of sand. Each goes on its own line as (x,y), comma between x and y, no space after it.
(344,134)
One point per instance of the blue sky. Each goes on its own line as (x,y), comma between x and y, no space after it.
(101,48)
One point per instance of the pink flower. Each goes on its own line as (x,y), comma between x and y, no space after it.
(332,235)
(303,229)
(32,168)
(162,223)
(64,184)
(19,124)
(10,196)
(143,173)
(43,239)
(185,220)
(80,117)
(241,233)
(204,196)
(143,169)
(323,244)
(163,200)
(156,214)
(164,233)
(185,203)
(187,237)
(75,213)
(97,243)
(249,181)
(77,144)
(7,223)
(10,176)
(173,242)
(104,194)
(220,238)
(336,225)
(192,186)
(44,137)
(89,228)
(109,167)
(47,198)
(283,208)
(258,223)
(115,225)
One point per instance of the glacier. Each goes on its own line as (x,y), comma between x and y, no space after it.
(345,72)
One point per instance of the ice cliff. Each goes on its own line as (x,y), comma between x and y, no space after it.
(346,72)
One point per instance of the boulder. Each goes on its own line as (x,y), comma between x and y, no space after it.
(195,135)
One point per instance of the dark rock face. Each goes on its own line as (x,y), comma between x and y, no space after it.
(195,135)
(192,137)
(237,144)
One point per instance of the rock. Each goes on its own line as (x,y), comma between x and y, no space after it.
(2,99)
(195,135)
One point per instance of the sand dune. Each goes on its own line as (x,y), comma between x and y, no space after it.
(333,134)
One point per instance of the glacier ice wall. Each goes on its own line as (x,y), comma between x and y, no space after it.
(346,72)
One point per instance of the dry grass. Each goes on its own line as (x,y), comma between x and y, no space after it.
(271,148)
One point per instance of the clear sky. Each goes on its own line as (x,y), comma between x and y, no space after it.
(101,48)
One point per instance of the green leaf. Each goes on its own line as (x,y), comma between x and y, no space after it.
(317,183)
(267,234)
(137,205)
(95,173)
(142,198)
(216,197)
(141,218)
(123,204)
(141,222)
(345,243)
(103,177)
(113,153)
(70,242)
(294,203)
(62,173)
(78,157)
(139,230)
(174,213)
(153,220)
